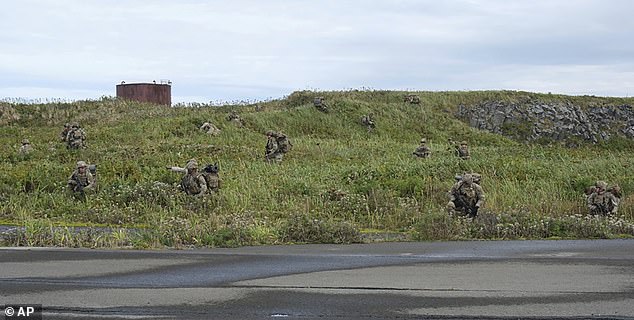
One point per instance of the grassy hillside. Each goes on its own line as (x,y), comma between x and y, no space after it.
(338,179)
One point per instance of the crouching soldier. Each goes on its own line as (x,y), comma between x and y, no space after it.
(81,180)
(462,151)
(465,197)
(423,150)
(412,98)
(192,182)
(603,201)
(26,147)
(210,173)
(320,104)
(234,117)
(367,121)
(210,128)
(76,137)
(277,144)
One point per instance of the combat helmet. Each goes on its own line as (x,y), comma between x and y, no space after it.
(191,164)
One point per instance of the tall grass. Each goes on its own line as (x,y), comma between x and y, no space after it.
(338,178)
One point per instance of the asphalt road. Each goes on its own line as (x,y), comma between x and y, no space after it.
(439,280)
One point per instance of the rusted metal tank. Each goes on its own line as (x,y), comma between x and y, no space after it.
(157,93)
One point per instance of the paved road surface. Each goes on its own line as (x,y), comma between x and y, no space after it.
(439,280)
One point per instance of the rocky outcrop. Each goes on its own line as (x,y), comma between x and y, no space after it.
(558,121)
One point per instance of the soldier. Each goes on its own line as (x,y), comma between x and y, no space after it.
(81,180)
(234,117)
(271,152)
(462,151)
(465,197)
(277,145)
(193,183)
(321,105)
(64,133)
(423,151)
(412,98)
(602,201)
(368,122)
(76,137)
(26,147)
(210,173)
(210,128)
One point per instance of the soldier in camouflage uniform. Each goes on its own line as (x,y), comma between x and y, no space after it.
(601,201)
(193,183)
(210,128)
(367,121)
(81,180)
(423,151)
(412,98)
(64,133)
(465,197)
(26,147)
(462,151)
(320,104)
(210,173)
(234,117)
(272,150)
(76,137)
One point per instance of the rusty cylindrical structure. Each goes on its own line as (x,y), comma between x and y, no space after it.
(157,93)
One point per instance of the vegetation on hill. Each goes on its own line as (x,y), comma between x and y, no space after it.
(337,184)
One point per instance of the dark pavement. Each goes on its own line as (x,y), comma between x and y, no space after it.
(427,280)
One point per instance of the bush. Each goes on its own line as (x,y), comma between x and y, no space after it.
(304,228)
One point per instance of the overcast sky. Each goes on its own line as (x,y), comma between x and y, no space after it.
(261,49)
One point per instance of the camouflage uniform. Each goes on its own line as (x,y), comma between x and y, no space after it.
(210,128)
(210,173)
(76,137)
(235,118)
(465,197)
(26,147)
(601,201)
(64,133)
(463,151)
(81,179)
(412,98)
(193,183)
(272,150)
(423,151)
(321,105)
(368,122)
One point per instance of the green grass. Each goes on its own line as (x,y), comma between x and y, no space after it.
(337,179)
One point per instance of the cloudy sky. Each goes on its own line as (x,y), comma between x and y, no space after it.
(259,49)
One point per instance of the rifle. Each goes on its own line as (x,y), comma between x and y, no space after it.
(79,187)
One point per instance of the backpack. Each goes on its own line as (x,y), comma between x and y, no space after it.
(284,144)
